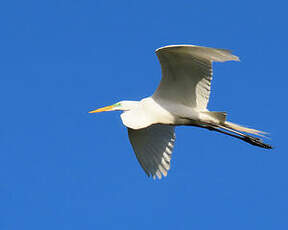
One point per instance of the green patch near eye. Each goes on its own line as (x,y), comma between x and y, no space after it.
(117,104)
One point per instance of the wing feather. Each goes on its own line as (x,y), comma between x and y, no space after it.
(153,147)
(187,73)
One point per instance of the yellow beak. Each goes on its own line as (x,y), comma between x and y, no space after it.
(107,108)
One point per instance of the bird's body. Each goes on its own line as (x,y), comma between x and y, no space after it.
(181,99)
(157,111)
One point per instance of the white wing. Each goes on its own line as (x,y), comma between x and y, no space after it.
(187,73)
(153,147)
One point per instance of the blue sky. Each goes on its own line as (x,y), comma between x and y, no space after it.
(62,168)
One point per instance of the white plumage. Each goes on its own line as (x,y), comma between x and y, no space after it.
(180,99)
(153,147)
(187,73)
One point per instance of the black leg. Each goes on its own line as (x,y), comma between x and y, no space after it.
(244,137)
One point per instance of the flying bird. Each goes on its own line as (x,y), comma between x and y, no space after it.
(180,99)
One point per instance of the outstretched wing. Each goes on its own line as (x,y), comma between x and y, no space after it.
(187,73)
(153,147)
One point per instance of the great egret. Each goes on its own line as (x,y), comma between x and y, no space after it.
(181,99)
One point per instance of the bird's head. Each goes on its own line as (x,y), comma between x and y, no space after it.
(121,105)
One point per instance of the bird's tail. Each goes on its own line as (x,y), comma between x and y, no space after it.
(237,131)
(221,118)
(234,130)
(240,128)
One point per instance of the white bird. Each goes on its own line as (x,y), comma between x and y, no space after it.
(180,99)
